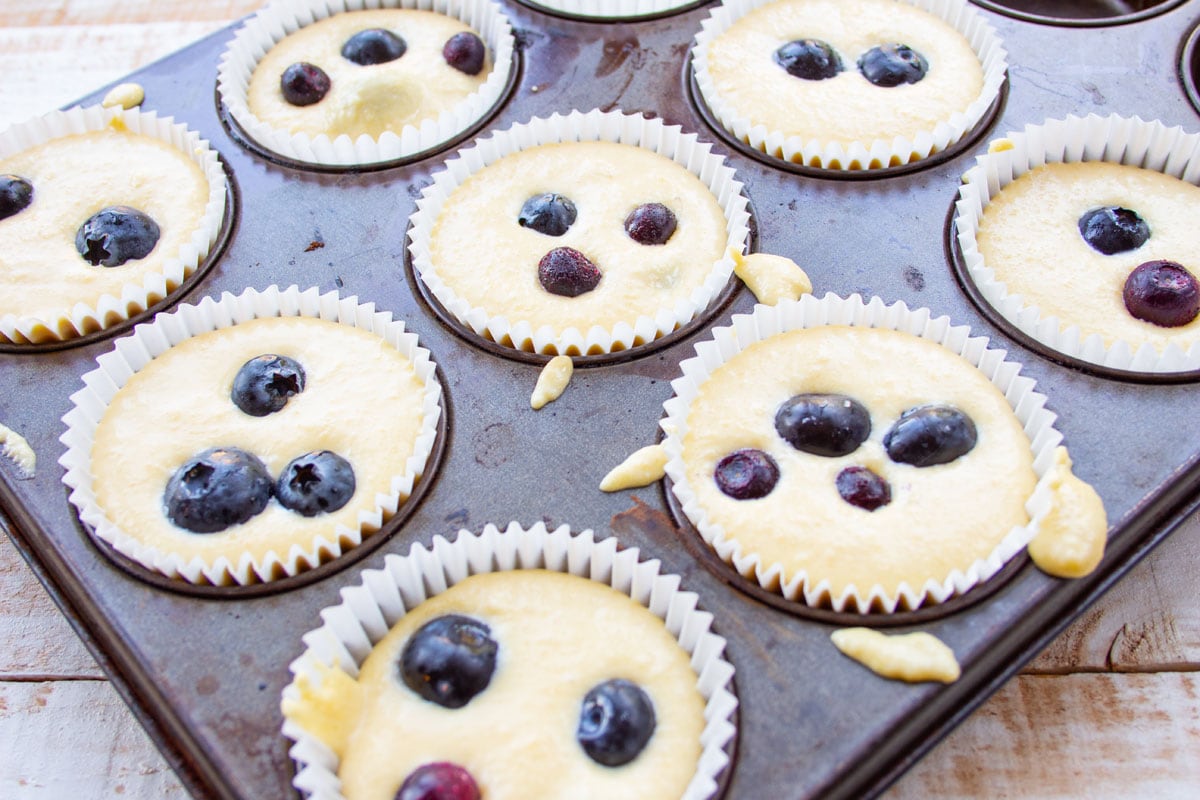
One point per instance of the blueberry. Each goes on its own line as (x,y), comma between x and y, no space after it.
(810,59)
(264,383)
(861,487)
(567,272)
(16,194)
(1162,293)
(548,213)
(440,780)
(116,234)
(892,64)
(929,435)
(373,46)
(823,424)
(304,84)
(449,660)
(316,482)
(219,488)
(651,223)
(746,474)
(615,722)
(1112,229)
(465,52)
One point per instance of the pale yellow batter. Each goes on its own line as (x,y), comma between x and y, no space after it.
(940,518)
(362,400)
(481,252)
(1029,236)
(846,108)
(370,99)
(558,636)
(42,274)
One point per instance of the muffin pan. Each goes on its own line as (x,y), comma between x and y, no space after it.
(204,673)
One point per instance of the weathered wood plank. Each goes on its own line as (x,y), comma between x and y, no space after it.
(23,14)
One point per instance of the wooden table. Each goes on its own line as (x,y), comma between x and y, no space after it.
(1110,709)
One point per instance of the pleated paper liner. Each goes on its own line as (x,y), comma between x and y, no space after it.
(303,561)
(613,10)
(367,611)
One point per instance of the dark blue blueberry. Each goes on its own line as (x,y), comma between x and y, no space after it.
(440,780)
(930,435)
(651,223)
(861,487)
(373,46)
(1162,293)
(810,59)
(449,660)
(823,424)
(465,52)
(1112,229)
(566,272)
(551,214)
(16,194)
(315,482)
(304,84)
(115,235)
(264,383)
(615,722)
(217,489)
(892,64)
(746,474)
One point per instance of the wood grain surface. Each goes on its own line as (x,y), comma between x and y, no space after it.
(1111,709)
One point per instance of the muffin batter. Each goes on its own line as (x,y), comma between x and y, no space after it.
(940,518)
(361,400)
(558,636)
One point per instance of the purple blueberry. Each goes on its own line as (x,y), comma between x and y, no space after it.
(861,487)
(823,424)
(465,52)
(615,722)
(892,64)
(650,223)
(304,84)
(810,59)
(16,193)
(440,780)
(566,272)
(929,435)
(217,489)
(549,213)
(449,660)
(1162,293)
(1112,229)
(746,474)
(373,46)
(315,483)
(115,235)
(264,383)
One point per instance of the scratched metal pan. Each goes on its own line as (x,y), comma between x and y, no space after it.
(204,673)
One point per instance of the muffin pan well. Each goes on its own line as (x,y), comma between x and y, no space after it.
(205,674)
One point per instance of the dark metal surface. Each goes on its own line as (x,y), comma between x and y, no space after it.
(204,674)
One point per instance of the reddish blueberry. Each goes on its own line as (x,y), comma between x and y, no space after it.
(465,52)
(304,84)
(1162,293)
(746,474)
(440,780)
(651,223)
(566,272)
(861,487)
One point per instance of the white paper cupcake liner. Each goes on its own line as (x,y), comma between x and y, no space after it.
(612,9)
(367,611)
(811,312)
(847,156)
(86,315)
(595,125)
(283,17)
(1120,140)
(150,340)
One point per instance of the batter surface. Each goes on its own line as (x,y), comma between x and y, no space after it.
(1029,236)
(479,249)
(362,400)
(42,274)
(940,518)
(372,99)
(846,108)
(558,636)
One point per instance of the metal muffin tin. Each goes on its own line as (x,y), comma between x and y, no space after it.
(203,669)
